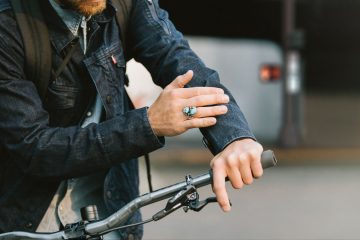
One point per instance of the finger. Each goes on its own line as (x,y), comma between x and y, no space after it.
(206,100)
(256,167)
(235,178)
(210,111)
(200,122)
(220,190)
(198,91)
(245,171)
(181,80)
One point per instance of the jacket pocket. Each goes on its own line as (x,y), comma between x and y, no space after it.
(61,97)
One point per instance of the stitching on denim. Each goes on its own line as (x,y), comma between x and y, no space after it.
(103,147)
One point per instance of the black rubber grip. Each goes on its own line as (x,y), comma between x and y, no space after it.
(268,159)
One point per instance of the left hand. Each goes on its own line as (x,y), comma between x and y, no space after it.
(240,161)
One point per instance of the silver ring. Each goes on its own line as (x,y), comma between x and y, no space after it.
(189,111)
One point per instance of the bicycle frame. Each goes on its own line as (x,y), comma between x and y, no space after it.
(81,230)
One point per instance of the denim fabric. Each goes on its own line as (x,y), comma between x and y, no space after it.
(4,5)
(42,143)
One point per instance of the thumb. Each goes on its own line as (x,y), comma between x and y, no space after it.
(181,80)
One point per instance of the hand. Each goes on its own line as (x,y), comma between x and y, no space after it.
(166,113)
(241,162)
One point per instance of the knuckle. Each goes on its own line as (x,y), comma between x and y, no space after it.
(216,188)
(172,93)
(215,110)
(254,153)
(232,160)
(217,164)
(244,159)
(200,101)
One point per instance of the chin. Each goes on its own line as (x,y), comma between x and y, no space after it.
(85,7)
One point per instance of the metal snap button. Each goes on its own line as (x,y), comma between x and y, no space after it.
(108,99)
(29,225)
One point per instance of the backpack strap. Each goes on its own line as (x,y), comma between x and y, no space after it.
(36,42)
(123,11)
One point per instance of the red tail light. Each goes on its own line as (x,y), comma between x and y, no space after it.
(270,73)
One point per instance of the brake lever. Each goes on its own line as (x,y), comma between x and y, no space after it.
(197,205)
(182,198)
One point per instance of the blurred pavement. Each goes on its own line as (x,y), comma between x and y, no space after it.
(309,199)
(314,193)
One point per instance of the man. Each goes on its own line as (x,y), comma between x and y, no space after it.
(85,127)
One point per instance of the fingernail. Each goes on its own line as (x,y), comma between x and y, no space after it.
(226,98)
(224,109)
(220,91)
(226,209)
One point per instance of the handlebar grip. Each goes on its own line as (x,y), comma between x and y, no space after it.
(268,159)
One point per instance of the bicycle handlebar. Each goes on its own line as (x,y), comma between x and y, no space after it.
(121,216)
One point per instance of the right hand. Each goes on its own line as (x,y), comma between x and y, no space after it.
(165,114)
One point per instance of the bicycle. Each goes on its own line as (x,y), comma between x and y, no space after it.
(182,195)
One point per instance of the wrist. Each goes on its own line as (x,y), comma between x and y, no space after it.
(150,119)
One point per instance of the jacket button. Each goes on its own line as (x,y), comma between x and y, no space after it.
(108,99)
(88,114)
(29,225)
(131,237)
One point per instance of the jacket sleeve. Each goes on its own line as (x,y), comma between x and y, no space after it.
(45,151)
(162,49)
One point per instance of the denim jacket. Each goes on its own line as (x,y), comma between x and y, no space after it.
(42,142)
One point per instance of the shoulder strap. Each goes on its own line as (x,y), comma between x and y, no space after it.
(123,11)
(36,42)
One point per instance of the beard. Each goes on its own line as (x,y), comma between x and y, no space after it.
(86,8)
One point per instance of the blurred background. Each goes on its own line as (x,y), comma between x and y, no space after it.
(294,69)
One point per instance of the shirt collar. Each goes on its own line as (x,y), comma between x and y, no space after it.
(71,18)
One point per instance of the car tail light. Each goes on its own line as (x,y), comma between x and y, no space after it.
(270,73)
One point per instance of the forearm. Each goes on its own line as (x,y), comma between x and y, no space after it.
(166,54)
(66,152)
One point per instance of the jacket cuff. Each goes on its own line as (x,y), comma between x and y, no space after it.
(129,136)
(216,147)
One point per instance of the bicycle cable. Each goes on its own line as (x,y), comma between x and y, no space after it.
(126,226)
